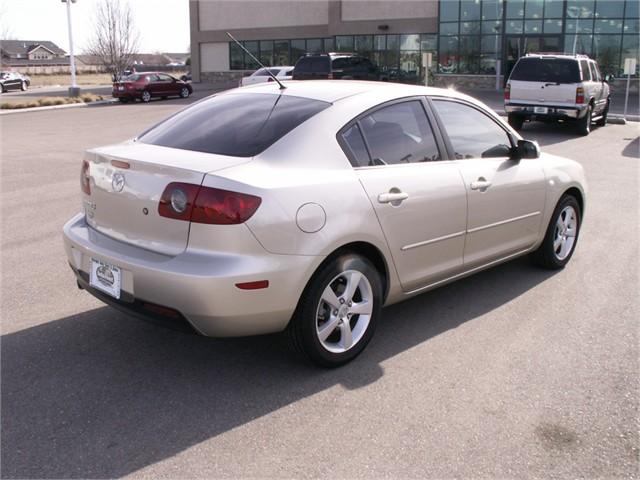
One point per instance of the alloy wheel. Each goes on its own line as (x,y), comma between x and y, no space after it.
(344,311)
(565,232)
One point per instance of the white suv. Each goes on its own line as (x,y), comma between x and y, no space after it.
(557,87)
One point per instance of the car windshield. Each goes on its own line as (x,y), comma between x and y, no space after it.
(241,125)
(557,70)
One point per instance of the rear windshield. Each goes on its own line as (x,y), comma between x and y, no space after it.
(557,70)
(240,125)
(132,78)
(313,64)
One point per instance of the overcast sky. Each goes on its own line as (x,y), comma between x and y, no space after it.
(163,24)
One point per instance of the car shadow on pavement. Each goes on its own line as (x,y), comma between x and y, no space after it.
(632,149)
(100,394)
(549,133)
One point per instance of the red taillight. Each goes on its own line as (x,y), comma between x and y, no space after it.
(507,92)
(579,95)
(184,201)
(85,181)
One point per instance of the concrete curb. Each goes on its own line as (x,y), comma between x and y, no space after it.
(8,111)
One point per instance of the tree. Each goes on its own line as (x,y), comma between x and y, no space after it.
(116,38)
(5,28)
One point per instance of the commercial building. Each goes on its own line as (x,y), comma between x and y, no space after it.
(468,39)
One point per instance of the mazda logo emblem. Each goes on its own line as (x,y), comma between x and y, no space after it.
(117,182)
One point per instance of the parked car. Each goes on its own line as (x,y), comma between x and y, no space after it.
(262,75)
(569,88)
(13,81)
(147,85)
(307,209)
(336,66)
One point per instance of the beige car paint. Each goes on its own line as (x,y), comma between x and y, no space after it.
(422,240)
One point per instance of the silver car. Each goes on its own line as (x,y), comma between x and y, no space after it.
(308,209)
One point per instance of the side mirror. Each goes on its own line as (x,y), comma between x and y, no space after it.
(608,78)
(526,149)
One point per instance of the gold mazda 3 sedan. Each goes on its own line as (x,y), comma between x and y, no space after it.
(306,209)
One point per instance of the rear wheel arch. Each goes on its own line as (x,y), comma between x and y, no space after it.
(366,250)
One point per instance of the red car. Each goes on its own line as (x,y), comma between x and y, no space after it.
(150,84)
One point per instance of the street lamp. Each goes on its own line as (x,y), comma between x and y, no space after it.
(74,90)
(497,29)
(574,12)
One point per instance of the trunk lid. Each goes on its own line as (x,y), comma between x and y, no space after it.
(543,93)
(123,203)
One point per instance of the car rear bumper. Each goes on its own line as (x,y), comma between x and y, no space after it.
(553,111)
(125,94)
(197,288)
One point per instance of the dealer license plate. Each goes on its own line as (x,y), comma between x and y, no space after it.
(121,88)
(540,109)
(105,277)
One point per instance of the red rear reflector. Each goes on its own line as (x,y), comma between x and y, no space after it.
(185,201)
(120,164)
(85,179)
(253,285)
(507,92)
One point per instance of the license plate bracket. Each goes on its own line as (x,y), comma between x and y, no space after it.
(105,277)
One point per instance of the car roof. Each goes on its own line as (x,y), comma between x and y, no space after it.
(566,56)
(335,90)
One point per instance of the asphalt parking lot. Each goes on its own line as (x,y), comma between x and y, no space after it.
(512,373)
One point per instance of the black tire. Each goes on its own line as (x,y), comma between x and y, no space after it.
(145,96)
(545,256)
(184,92)
(584,123)
(516,121)
(302,331)
(602,121)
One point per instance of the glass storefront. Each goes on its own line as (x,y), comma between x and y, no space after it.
(474,34)
(488,30)
(398,56)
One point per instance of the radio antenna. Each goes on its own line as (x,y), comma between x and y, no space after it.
(282,87)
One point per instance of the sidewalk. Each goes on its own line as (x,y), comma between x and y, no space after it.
(496,101)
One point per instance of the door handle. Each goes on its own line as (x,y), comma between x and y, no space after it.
(395,198)
(481,184)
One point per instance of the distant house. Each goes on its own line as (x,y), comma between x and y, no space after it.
(141,62)
(30,50)
(33,56)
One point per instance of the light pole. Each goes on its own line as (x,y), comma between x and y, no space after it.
(74,90)
(575,11)
(497,29)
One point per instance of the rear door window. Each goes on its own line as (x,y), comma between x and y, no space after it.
(594,73)
(241,125)
(355,146)
(472,133)
(586,74)
(553,70)
(400,133)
